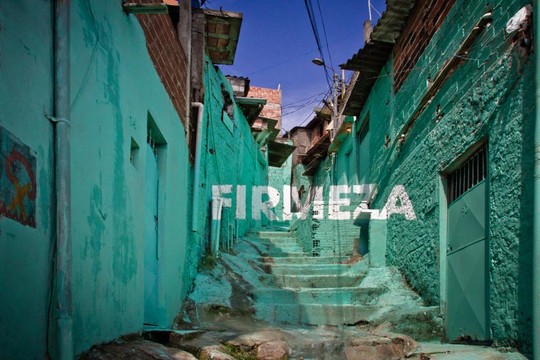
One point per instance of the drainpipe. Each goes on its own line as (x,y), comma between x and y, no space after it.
(536,220)
(197,172)
(63,179)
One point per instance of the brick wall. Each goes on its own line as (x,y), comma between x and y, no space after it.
(272,109)
(168,56)
(426,17)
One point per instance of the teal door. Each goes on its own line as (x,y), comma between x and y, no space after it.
(467,274)
(151,238)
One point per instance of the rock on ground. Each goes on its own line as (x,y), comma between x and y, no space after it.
(135,350)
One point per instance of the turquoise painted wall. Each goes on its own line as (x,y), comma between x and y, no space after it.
(277,178)
(302,227)
(115,91)
(488,97)
(229,156)
(26,97)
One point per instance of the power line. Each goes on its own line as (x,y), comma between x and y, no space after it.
(302,100)
(311,15)
(312,112)
(325,35)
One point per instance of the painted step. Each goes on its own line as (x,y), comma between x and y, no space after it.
(420,322)
(345,296)
(318,281)
(284,246)
(277,253)
(277,242)
(271,234)
(308,269)
(314,314)
(306,260)
(274,244)
(266,242)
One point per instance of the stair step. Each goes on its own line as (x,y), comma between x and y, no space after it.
(318,281)
(308,269)
(285,254)
(277,242)
(288,247)
(306,260)
(314,314)
(271,234)
(337,296)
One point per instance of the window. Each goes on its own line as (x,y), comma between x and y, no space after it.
(362,141)
(468,175)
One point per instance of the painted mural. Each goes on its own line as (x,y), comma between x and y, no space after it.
(17,180)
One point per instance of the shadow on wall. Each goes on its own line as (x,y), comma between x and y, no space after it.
(525,255)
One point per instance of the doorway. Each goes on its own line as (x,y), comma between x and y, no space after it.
(151,248)
(467,251)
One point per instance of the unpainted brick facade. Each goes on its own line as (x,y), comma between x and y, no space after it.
(169,58)
(426,18)
(272,109)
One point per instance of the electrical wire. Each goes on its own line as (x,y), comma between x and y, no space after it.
(325,35)
(301,106)
(312,112)
(302,100)
(311,15)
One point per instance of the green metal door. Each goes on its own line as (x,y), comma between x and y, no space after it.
(151,238)
(467,274)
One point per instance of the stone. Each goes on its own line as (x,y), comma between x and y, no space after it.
(380,352)
(181,355)
(214,353)
(255,339)
(273,350)
(381,346)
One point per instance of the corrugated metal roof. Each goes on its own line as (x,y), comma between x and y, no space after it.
(392,20)
(370,60)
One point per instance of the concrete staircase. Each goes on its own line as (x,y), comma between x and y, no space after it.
(299,289)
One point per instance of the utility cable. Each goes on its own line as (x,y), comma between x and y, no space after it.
(313,23)
(325,35)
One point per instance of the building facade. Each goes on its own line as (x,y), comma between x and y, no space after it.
(135,238)
(443,139)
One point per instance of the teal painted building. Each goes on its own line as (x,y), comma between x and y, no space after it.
(231,165)
(443,129)
(135,246)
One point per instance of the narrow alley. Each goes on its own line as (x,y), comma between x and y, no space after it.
(200,179)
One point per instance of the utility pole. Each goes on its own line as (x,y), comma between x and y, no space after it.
(335,94)
(335,86)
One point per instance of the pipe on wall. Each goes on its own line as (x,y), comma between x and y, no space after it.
(536,212)
(63,179)
(197,171)
(215,235)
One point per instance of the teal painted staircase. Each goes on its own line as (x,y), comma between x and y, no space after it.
(268,276)
(300,289)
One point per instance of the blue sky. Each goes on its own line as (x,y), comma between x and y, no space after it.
(277,44)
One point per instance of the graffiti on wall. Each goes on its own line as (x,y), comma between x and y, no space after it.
(17,180)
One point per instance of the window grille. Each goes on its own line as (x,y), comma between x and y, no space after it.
(468,175)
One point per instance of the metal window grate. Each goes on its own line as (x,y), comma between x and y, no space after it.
(469,174)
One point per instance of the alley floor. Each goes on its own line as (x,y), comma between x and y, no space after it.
(264,298)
